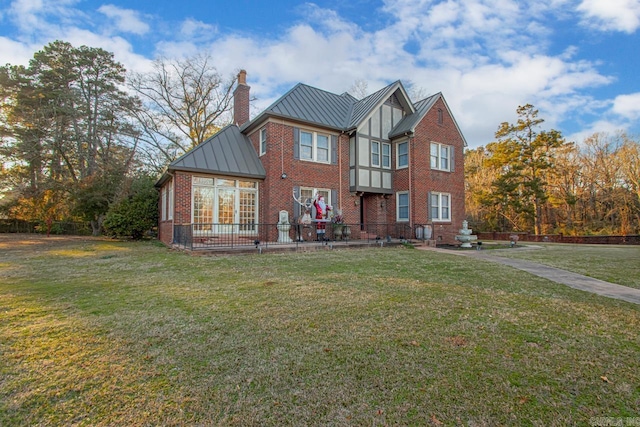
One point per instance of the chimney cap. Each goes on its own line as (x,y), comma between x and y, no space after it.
(242,77)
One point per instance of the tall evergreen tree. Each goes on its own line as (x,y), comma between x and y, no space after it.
(525,155)
(67,126)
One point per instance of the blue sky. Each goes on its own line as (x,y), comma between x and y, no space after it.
(577,61)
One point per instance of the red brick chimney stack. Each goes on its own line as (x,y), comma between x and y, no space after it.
(241,100)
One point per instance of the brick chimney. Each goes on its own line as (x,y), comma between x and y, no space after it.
(241,100)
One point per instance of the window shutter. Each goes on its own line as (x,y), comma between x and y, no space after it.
(429,206)
(334,201)
(296,143)
(334,149)
(452,159)
(296,205)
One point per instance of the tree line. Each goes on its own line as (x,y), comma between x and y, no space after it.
(533,180)
(83,139)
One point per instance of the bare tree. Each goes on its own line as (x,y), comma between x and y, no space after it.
(186,101)
(359,89)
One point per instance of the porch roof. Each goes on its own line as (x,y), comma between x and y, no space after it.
(228,153)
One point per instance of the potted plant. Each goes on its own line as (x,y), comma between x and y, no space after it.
(338,224)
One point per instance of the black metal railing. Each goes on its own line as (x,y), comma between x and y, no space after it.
(215,235)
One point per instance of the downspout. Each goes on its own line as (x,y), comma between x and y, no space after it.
(282,172)
(340,172)
(410,158)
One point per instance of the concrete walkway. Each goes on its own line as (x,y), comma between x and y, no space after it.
(573,280)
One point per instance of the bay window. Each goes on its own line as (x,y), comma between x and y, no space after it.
(217,201)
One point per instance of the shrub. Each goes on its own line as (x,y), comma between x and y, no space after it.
(136,213)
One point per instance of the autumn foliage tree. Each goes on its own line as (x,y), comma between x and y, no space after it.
(533,180)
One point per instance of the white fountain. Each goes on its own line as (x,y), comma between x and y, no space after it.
(465,237)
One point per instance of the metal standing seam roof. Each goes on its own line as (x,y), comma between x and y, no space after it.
(363,107)
(228,152)
(409,122)
(313,105)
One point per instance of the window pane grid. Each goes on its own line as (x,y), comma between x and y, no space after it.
(306,145)
(440,207)
(386,155)
(403,154)
(247,214)
(403,206)
(375,153)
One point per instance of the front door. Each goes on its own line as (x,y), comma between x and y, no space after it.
(227,212)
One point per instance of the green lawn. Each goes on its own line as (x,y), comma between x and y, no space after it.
(612,263)
(95,332)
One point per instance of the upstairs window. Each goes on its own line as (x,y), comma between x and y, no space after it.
(375,153)
(386,155)
(263,141)
(402,155)
(441,157)
(314,146)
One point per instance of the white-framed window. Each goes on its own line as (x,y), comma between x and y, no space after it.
(386,155)
(402,155)
(308,193)
(170,201)
(314,146)
(440,156)
(217,201)
(263,141)
(163,204)
(375,153)
(440,206)
(402,206)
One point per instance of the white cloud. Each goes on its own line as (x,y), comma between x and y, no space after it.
(627,106)
(15,53)
(194,29)
(615,15)
(126,20)
(600,126)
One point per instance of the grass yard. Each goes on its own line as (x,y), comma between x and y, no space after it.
(612,263)
(97,332)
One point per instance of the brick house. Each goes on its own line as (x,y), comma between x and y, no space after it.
(383,159)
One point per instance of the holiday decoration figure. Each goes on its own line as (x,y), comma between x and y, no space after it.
(322,212)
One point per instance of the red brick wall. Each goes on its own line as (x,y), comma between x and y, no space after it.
(276,193)
(182,198)
(181,206)
(424,179)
